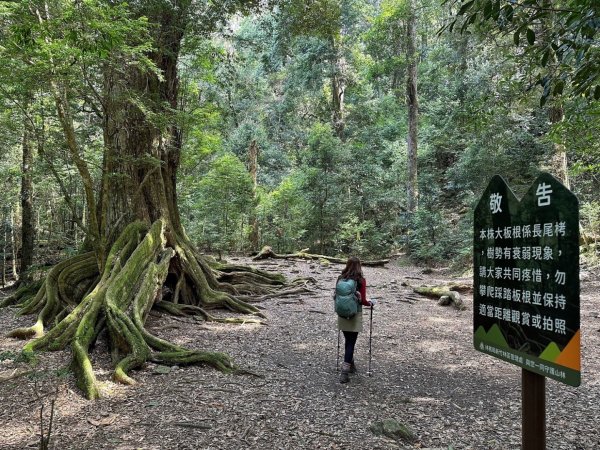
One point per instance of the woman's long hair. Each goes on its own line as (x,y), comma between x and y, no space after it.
(353,270)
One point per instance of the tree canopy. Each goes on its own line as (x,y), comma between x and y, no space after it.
(558,38)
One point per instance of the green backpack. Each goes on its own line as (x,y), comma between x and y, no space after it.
(346,300)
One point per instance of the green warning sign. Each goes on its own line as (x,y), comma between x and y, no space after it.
(526,278)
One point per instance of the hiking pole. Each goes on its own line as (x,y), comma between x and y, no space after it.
(337,358)
(370,339)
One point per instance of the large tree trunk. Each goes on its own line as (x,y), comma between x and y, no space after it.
(140,256)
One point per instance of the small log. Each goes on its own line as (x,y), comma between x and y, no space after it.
(196,426)
(460,287)
(267,252)
(453,297)
(445,300)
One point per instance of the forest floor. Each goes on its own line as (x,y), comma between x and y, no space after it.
(425,375)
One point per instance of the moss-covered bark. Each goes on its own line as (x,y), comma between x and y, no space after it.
(75,302)
(446,294)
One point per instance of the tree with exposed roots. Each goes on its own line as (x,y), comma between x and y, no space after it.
(137,254)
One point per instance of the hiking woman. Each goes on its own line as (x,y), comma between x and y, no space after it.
(351,327)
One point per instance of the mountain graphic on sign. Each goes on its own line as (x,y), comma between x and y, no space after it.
(480,334)
(570,356)
(551,352)
(494,336)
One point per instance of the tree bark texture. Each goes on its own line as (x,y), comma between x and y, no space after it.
(4,247)
(14,242)
(27,220)
(413,108)
(558,163)
(338,88)
(452,296)
(253,168)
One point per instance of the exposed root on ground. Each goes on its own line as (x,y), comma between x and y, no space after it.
(147,267)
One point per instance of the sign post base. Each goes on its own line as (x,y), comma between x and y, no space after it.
(533,397)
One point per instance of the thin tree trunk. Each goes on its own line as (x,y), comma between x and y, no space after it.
(27,225)
(65,118)
(14,245)
(253,163)
(75,228)
(4,248)
(559,164)
(463,47)
(413,109)
(37,225)
(50,219)
(240,247)
(338,89)
(83,213)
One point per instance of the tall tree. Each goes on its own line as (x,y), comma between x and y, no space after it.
(123,66)
(393,42)
(413,105)
(322,19)
(27,223)
(253,169)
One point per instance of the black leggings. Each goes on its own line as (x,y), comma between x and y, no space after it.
(350,338)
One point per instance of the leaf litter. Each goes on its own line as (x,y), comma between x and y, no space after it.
(426,376)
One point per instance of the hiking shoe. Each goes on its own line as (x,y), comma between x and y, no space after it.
(352,367)
(344,378)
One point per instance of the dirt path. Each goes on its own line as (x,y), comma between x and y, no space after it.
(426,375)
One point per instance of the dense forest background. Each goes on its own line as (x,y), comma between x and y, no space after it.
(342,126)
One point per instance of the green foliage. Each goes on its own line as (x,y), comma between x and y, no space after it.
(282,215)
(322,18)
(356,237)
(590,218)
(222,203)
(560,36)
(8,355)
(28,357)
(579,134)
(384,40)
(268,79)
(326,171)
(63,41)
(436,233)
